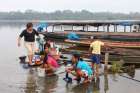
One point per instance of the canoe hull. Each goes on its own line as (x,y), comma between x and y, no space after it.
(117,44)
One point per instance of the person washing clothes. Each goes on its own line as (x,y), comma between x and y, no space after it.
(82,69)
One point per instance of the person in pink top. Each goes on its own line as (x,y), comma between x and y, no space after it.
(51,64)
(52,61)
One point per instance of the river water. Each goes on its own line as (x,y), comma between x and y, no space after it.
(15,78)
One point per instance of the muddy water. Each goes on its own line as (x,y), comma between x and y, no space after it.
(15,78)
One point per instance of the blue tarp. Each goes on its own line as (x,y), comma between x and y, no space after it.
(73,36)
(125,23)
(42,26)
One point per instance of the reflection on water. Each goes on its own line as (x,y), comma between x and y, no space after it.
(48,84)
(35,84)
(131,71)
(31,82)
(94,86)
(106,86)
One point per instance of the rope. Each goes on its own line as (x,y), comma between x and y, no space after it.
(130,78)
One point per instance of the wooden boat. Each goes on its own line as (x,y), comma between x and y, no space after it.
(121,38)
(117,44)
(55,35)
(102,35)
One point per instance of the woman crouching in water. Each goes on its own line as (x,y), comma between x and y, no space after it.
(82,69)
(50,60)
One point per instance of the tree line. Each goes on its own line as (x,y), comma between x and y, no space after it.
(67,15)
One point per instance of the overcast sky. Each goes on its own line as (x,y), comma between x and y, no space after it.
(124,6)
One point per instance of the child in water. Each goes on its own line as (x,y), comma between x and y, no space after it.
(50,60)
(82,69)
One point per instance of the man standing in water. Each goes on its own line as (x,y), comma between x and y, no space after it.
(95,48)
(29,39)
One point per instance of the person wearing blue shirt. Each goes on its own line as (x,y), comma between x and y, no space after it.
(82,65)
(82,68)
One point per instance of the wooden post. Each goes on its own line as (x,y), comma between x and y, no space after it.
(139,28)
(97,28)
(61,27)
(104,28)
(87,27)
(114,28)
(124,28)
(106,87)
(107,28)
(72,27)
(83,28)
(106,59)
(130,28)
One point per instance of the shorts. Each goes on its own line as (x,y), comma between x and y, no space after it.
(30,47)
(96,58)
(85,73)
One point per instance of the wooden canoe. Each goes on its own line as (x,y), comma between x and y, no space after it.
(117,44)
(116,36)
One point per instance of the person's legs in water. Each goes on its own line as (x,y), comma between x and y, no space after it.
(67,78)
(93,64)
(83,74)
(97,70)
(32,52)
(97,64)
(30,59)
(86,80)
(30,49)
(68,70)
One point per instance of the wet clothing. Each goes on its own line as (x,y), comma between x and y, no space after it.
(82,65)
(96,47)
(96,58)
(29,37)
(52,62)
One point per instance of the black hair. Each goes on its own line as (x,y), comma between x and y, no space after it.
(28,25)
(78,56)
(96,37)
(46,45)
